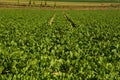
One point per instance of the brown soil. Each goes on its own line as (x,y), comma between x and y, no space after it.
(51,20)
(65,7)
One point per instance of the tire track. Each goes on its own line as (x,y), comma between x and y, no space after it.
(70,21)
(50,22)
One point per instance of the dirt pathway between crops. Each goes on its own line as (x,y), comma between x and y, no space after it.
(51,20)
(73,25)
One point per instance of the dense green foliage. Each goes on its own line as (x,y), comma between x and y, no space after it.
(30,49)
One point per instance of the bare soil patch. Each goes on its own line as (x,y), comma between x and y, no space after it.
(63,6)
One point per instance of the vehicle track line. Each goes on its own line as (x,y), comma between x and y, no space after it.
(51,20)
(70,21)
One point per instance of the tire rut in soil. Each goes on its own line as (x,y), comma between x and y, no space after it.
(50,22)
(70,21)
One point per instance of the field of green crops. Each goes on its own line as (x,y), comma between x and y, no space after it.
(59,45)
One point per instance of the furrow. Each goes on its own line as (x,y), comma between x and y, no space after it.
(51,20)
(70,21)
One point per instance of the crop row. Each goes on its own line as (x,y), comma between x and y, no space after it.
(38,45)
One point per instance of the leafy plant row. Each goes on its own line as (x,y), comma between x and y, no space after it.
(31,49)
